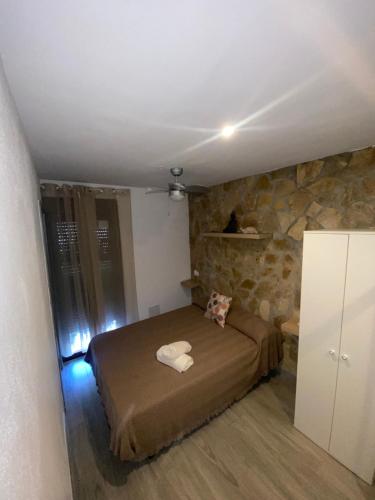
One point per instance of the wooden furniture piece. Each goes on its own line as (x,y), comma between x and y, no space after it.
(243,236)
(190,283)
(335,400)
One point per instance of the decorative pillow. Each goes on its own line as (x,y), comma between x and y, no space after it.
(218,307)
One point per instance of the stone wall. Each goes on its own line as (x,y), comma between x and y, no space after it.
(264,276)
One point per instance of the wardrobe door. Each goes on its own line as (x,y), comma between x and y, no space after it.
(323,282)
(353,430)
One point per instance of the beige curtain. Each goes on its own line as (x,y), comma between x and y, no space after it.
(123,198)
(127,246)
(84,245)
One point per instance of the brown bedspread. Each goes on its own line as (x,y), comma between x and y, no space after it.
(148,404)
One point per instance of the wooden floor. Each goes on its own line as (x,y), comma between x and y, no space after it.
(251,451)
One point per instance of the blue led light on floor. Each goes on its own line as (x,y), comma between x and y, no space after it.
(80,368)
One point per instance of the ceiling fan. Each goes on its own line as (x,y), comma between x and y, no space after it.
(177,190)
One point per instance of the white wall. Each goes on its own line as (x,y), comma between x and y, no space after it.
(161,251)
(33,457)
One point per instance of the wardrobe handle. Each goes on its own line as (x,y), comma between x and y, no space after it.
(331,352)
(344,357)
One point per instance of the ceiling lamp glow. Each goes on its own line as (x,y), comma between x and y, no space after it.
(228,131)
(176,195)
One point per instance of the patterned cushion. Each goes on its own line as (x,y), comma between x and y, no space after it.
(218,307)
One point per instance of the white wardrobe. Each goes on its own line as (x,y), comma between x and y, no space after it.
(335,400)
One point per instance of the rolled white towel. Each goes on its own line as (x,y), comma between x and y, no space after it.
(174,350)
(181,364)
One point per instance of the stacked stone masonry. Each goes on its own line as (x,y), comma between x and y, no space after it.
(264,276)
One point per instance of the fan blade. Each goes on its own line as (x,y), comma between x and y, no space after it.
(178,186)
(196,189)
(156,190)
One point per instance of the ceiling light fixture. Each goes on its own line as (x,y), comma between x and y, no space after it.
(228,131)
(176,195)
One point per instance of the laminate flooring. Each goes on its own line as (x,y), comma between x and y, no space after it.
(250,451)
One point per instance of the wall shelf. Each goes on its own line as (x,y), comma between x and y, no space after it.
(190,283)
(291,328)
(243,236)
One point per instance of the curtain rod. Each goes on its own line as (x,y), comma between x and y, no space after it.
(58,187)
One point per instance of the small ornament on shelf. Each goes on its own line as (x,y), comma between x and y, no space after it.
(232,226)
(248,230)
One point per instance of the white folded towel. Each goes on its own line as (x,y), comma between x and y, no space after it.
(175,355)
(181,363)
(174,350)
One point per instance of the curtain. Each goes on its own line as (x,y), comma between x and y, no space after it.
(85,265)
(123,199)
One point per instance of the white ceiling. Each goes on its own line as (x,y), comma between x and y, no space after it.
(116,92)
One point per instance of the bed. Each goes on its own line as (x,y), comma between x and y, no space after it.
(148,404)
